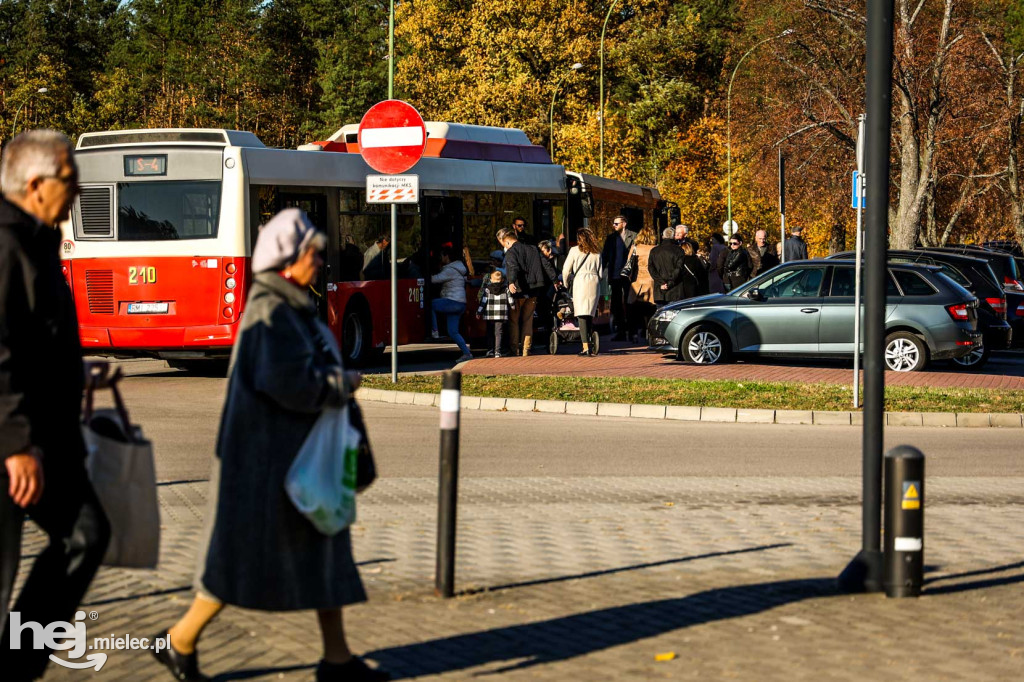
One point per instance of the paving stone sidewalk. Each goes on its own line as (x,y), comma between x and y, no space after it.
(591,578)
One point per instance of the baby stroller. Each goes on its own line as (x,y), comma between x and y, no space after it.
(564,326)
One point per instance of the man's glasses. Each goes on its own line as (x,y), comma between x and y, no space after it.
(734,243)
(520,225)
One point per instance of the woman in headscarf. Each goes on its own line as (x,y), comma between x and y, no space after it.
(262,553)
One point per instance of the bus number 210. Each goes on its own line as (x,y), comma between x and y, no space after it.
(144,275)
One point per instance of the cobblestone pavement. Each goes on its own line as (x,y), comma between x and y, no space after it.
(590,578)
(1004,370)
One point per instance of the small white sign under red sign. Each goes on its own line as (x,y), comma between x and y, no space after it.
(392,137)
(392,189)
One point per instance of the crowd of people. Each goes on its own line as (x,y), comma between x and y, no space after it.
(642,273)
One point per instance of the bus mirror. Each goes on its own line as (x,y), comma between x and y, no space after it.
(587,204)
(675,216)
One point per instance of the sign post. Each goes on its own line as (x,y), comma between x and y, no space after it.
(858,254)
(392,137)
(782,204)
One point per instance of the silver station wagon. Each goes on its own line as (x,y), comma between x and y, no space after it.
(805,310)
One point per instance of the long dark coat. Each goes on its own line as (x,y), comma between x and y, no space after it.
(262,553)
(666,267)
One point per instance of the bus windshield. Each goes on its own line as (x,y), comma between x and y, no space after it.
(166,210)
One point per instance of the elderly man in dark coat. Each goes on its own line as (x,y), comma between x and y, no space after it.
(262,553)
(41,381)
(666,267)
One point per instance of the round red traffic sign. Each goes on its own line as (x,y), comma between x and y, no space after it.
(392,136)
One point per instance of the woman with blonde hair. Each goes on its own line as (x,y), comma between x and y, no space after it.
(641,289)
(581,275)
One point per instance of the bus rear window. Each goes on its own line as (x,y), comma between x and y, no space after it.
(167,210)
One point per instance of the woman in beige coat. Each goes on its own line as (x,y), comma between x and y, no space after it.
(641,290)
(583,269)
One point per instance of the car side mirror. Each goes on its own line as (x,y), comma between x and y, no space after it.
(755,295)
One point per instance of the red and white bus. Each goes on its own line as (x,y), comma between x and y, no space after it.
(157,248)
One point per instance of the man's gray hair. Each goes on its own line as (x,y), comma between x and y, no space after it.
(506,233)
(668,233)
(31,154)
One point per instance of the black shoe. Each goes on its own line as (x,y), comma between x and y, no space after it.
(355,670)
(184,668)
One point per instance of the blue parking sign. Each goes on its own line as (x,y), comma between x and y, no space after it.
(863,199)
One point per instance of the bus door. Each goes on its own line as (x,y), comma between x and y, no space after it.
(315,206)
(442,226)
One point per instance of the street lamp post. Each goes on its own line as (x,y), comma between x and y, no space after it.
(601,114)
(14,128)
(551,118)
(728,125)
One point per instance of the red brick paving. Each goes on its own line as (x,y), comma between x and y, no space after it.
(1003,371)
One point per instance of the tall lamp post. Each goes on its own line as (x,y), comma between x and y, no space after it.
(14,128)
(551,118)
(601,114)
(728,125)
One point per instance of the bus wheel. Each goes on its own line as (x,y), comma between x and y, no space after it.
(356,337)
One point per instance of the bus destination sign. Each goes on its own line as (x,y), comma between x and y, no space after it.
(392,189)
(145,165)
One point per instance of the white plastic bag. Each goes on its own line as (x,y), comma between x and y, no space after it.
(321,482)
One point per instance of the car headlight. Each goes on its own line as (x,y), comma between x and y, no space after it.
(666,316)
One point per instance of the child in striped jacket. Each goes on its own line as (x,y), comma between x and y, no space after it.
(495,305)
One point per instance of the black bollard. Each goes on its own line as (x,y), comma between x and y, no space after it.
(451,398)
(904,522)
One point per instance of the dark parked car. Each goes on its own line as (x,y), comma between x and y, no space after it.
(1003,263)
(975,275)
(805,309)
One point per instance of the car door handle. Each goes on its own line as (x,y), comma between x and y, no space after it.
(808,310)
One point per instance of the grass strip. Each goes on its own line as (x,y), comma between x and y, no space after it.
(741,394)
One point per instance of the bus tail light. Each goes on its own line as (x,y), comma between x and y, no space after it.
(998,305)
(233,283)
(66,271)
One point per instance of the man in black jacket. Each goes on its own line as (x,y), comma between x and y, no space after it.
(795,247)
(616,253)
(526,282)
(666,267)
(41,382)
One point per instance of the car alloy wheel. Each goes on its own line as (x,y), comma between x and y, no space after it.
(903,353)
(704,348)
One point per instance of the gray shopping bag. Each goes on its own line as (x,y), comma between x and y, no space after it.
(121,468)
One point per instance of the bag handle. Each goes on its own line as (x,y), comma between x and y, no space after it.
(99,376)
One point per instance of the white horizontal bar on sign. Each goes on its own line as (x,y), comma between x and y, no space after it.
(410,136)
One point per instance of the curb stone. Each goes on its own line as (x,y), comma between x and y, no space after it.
(702,414)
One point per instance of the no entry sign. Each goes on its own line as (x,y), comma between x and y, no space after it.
(392,136)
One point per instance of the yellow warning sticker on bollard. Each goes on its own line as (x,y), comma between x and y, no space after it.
(668,656)
(911,494)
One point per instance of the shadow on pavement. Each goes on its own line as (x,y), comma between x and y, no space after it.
(259,672)
(622,569)
(559,639)
(976,584)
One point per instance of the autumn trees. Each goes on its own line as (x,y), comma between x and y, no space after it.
(296,70)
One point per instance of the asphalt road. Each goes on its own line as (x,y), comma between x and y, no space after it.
(180,414)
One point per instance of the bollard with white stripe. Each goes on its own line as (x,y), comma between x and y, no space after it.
(903,572)
(451,399)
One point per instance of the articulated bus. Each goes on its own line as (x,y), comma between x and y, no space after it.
(157,248)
